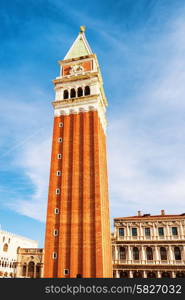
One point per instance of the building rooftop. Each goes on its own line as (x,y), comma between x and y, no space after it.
(4,232)
(141,216)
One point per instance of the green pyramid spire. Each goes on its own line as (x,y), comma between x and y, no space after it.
(80,46)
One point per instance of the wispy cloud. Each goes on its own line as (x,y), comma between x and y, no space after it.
(146,145)
(35,163)
(25,157)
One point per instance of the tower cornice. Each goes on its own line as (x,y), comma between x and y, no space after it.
(77,77)
(81,104)
(74,100)
(65,61)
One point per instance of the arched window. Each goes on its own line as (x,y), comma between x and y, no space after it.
(31,269)
(38,269)
(24,270)
(180,274)
(122,253)
(177,253)
(135,253)
(163,253)
(149,253)
(66,94)
(165,275)
(5,248)
(73,93)
(123,274)
(137,274)
(80,92)
(151,275)
(87,90)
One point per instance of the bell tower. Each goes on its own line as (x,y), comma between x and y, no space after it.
(77,240)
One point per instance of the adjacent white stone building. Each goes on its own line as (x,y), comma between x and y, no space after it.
(30,263)
(149,246)
(9,245)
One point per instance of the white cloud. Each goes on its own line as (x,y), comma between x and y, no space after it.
(25,150)
(35,162)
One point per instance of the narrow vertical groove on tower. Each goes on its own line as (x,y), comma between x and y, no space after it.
(86,198)
(92,197)
(98,204)
(80,208)
(69,188)
(75,222)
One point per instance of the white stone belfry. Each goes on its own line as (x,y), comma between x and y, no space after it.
(78,71)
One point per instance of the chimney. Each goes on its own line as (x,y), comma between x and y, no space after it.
(162,212)
(139,213)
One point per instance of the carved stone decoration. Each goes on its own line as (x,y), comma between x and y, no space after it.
(76,70)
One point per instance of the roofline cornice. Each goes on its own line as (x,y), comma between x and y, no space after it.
(64,61)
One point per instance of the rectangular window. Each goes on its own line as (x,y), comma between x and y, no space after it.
(55,232)
(61,124)
(134,231)
(59,156)
(58,173)
(57,191)
(122,253)
(161,231)
(147,231)
(60,140)
(54,255)
(56,211)
(174,231)
(66,271)
(121,231)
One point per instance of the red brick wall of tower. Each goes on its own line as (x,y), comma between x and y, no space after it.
(83,245)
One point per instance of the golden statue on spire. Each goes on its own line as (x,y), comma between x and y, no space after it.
(82,28)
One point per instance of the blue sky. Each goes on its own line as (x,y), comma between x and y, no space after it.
(141,50)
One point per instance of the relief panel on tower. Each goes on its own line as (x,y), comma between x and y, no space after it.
(77,68)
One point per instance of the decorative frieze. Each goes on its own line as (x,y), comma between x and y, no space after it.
(79,106)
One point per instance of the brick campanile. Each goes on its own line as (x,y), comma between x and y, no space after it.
(77,241)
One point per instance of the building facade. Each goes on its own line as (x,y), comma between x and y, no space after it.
(30,263)
(77,241)
(149,246)
(9,246)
